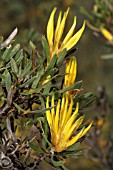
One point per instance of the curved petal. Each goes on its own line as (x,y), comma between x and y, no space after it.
(70,131)
(48,114)
(70,33)
(75,138)
(50,27)
(86,129)
(75,38)
(61,29)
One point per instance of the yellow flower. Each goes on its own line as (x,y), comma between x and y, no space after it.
(54,36)
(71,71)
(107,35)
(63,123)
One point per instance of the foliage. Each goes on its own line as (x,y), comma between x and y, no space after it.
(27,77)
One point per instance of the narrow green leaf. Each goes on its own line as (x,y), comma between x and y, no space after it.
(26,70)
(19,55)
(46,49)
(45,138)
(38,77)
(46,131)
(15,50)
(59,164)
(42,110)
(40,60)
(6,54)
(14,66)
(73,147)
(61,56)
(32,45)
(51,65)
(47,88)
(27,83)
(18,107)
(8,80)
(35,148)
(76,85)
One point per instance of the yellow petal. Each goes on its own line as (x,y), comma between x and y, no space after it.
(48,114)
(50,27)
(71,120)
(74,70)
(52,104)
(58,25)
(70,33)
(75,138)
(86,129)
(64,111)
(107,34)
(66,81)
(71,129)
(69,110)
(61,29)
(71,73)
(75,38)
(57,117)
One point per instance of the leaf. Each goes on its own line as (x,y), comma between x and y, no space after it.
(59,164)
(73,153)
(45,138)
(38,77)
(35,148)
(47,88)
(51,65)
(6,54)
(19,56)
(14,66)
(7,80)
(42,110)
(76,85)
(73,147)
(107,56)
(46,131)
(61,56)
(18,107)
(26,70)
(32,45)
(15,50)
(46,49)
(27,83)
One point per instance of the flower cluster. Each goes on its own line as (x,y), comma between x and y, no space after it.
(54,35)
(63,122)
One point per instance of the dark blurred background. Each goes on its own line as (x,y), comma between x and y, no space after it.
(31,16)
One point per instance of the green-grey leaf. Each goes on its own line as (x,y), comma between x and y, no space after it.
(51,65)
(27,82)
(15,50)
(14,66)
(26,70)
(6,54)
(46,49)
(73,147)
(76,85)
(61,56)
(7,80)
(35,148)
